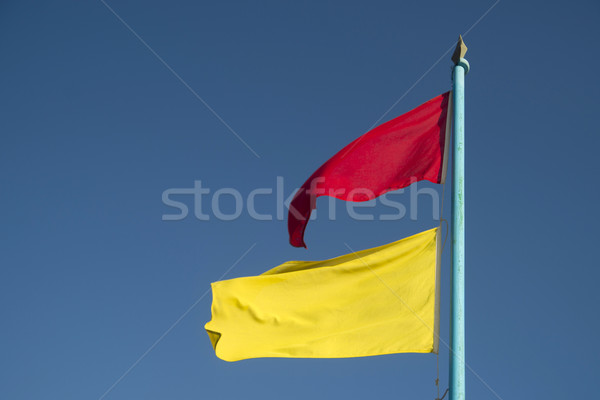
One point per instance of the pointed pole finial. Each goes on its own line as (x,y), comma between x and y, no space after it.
(460,51)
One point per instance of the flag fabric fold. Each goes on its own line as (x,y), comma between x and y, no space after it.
(406,149)
(377,301)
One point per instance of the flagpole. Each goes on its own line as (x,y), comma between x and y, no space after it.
(457,286)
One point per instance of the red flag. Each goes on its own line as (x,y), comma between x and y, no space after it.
(409,148)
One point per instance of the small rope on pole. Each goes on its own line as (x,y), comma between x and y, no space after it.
(437,356)
(446,235)
(442,398)
(437,378)
(442,203)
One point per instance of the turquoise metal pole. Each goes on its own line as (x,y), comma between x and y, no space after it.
(457,289)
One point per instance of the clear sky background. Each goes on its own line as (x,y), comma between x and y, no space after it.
(95,286)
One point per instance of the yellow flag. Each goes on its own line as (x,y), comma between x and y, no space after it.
(375,301)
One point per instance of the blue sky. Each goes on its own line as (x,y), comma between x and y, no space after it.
(102,298)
